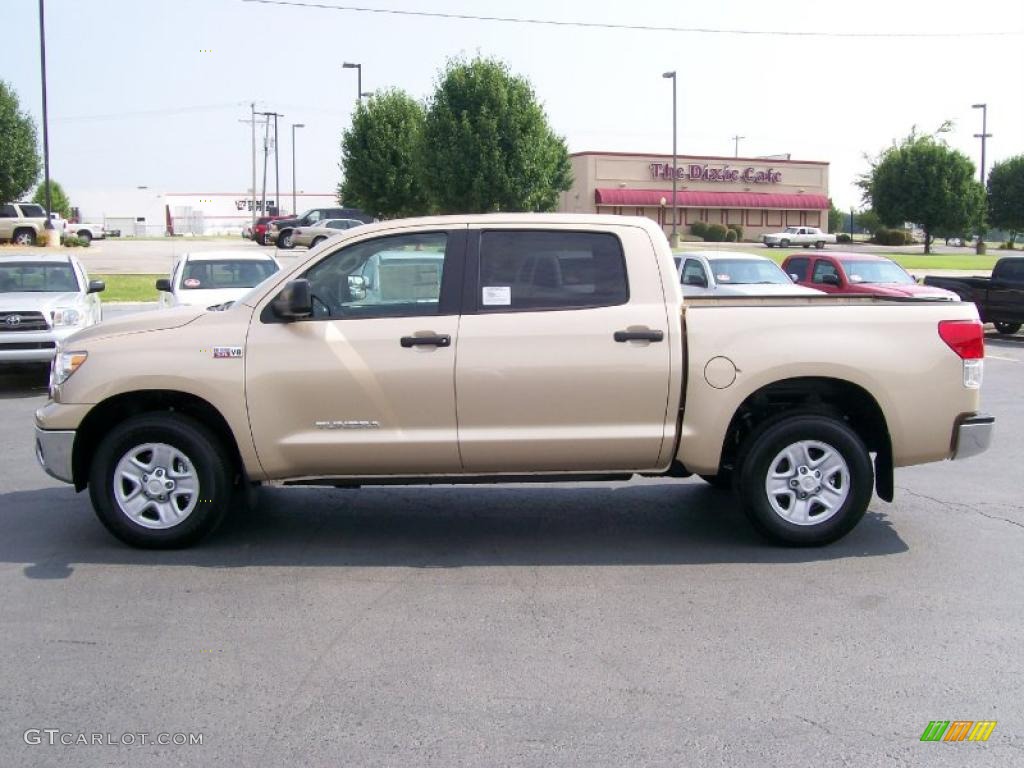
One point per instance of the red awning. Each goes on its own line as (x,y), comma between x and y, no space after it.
(693,199)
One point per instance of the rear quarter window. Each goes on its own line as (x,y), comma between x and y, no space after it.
(550,270)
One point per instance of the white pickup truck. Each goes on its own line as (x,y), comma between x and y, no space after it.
(805,236)
(503,348)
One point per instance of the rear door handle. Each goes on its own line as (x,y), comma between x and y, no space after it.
(623,336)
(442,340)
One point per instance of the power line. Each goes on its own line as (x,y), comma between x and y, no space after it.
(169,111)
(632,27)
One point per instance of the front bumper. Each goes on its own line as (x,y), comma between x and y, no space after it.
(53,450)
(972,435)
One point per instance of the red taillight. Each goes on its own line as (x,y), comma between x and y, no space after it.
(965,337)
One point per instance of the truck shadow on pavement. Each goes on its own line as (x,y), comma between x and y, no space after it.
(24,381)
(52,530)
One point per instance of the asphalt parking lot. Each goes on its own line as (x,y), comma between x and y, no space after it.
(640,623)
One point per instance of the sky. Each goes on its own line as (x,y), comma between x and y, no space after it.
(152,92)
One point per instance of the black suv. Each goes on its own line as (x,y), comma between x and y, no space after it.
(280,230)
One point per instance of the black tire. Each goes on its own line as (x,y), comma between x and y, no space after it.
(85,235)
(720,482)
(784,243)
(807,245)
(209,462)
(284,240)
(1007,329)
(820,245)
(262,240)
(317,241)
(24,237)
(763,450)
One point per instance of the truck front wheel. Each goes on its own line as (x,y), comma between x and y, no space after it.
(819,245)
(160,481)
(806,480)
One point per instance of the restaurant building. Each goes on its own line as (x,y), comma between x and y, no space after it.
(760,194)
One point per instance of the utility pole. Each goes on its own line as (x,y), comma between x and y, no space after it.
(980,247)
(253,201)
(736,145)
(266,151)
(52,239)
(674,240)
(277,166)
(295,210)
(252,116)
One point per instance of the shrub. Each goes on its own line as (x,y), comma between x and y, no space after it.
(699,228)
(738,229)
(715,233)
(843,237)
(887,236)
(73,241)
(730,236)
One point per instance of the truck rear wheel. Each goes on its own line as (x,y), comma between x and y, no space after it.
(85,235)
(784,243)
(1007,329)
(819,245)
(160,481)
(806,480)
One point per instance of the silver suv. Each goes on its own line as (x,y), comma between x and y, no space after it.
(22,223)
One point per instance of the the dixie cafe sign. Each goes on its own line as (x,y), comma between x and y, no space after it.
(695,172)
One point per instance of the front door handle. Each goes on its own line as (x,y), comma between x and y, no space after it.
(623,336)
(442,340)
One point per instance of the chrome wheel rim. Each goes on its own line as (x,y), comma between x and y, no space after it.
(156,486)
(808,482)
(23,239)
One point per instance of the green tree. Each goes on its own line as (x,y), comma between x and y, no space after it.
(1006,196)
(19,155)
(869,220)
(835,217)
(924,181)
(380,157)
(59,201)
(488,145)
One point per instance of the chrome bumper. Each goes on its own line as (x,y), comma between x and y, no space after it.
(972,435)
(53,450)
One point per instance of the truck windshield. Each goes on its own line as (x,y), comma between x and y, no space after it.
(747,272)
(226,273)
(37,277)
(876,272)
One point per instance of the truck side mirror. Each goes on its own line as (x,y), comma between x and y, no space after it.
(294,302)
(96,286)
(357,287)
(163,284)
(794,277)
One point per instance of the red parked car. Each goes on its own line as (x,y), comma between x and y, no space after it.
(259,234)
(858,273)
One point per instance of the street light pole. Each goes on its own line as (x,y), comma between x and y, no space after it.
(252,115)
(359,76)
(52,239)
(295,210)
(980,247)
(674,240)
(736,145)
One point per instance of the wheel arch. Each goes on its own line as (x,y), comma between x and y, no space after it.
(105,415)
(837,398)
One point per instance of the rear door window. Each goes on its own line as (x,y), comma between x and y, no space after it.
(550,270)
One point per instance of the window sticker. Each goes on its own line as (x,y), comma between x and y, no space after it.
(191,282)
(497,295)
(723,278)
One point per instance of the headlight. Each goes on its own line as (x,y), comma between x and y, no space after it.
(64,364)
(66,316)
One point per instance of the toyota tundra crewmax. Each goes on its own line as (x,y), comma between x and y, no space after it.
(509,347)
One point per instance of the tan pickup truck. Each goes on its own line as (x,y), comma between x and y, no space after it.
(503,348)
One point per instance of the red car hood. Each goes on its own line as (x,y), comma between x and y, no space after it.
(905,290)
